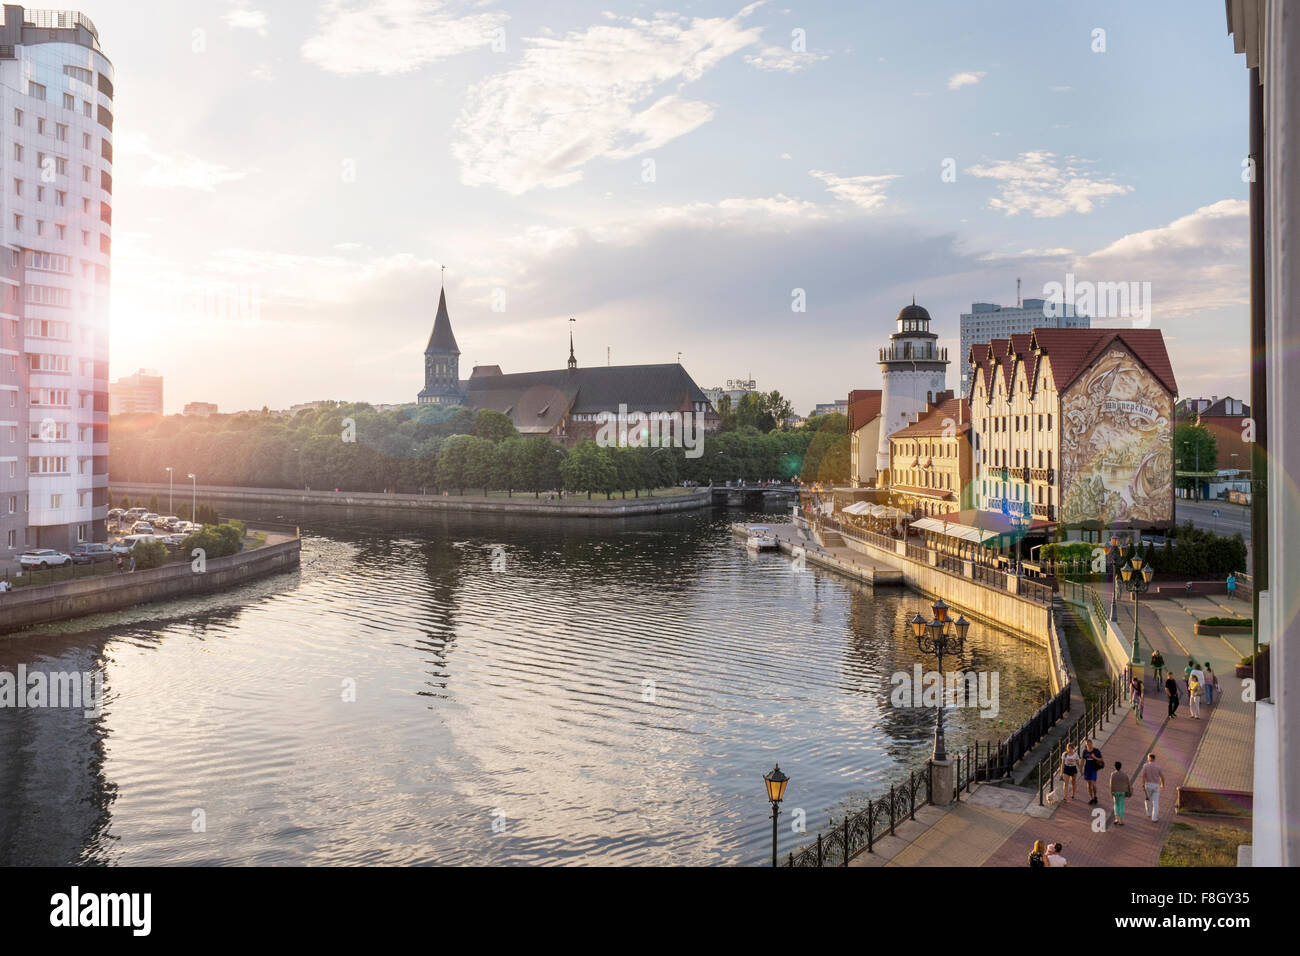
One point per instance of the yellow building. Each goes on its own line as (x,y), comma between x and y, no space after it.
(930,459)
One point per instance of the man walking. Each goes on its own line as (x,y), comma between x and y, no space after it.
(1171,689)
(1152,780)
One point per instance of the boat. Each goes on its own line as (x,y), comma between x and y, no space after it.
(761,539)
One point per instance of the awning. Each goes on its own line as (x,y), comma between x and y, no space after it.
(951,529)
(859,508)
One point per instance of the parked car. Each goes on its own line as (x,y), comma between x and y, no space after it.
(136,513)
(125,545)
(43,558)
(91,552)
(142,527)
(151,517)
(171,522)
(114,514)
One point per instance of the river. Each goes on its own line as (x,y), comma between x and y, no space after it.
(454,689)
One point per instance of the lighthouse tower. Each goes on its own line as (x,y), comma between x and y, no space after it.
(914,370)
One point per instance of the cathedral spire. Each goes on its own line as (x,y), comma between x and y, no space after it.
(573,360)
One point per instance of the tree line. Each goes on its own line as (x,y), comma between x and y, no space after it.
(435,449)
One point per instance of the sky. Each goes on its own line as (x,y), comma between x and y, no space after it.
(756,187)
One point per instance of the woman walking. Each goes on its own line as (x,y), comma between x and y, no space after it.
(1194,697)
(1120,787)
(1069,771)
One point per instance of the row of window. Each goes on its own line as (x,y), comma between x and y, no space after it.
(52,328)
(83,532)
(1003,423)
(1000,458)
(47,262)
(50,431)
(39,91)
(925,478)
(48,295)
(1012,492)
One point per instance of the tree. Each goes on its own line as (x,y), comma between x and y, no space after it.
(827,458)
(453,463)
(751,412)
(480,462)
(779,408)
(494,426)
(1195,450)
(542,461)
(726,413)
(153,503)
(149,554)
(510,469)
(588,469)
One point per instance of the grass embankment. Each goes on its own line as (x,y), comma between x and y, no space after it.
(1203,844)
(1091,676)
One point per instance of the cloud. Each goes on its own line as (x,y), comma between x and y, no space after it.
(778,58)
(1035,184)
(388,37)
(243,17)
(1196,263)
(178,170)
(607,92)
(969,78)
(866,192)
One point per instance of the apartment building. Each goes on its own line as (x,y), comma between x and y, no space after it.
(56,188)
(930,459)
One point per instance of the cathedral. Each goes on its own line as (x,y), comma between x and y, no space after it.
(566,403)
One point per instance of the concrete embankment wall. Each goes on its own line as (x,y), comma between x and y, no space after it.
(1004,609)
(525,504)
(113,592)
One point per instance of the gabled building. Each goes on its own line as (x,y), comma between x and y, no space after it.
(864,436)
(1228,420)
(930,459)
(1075,426)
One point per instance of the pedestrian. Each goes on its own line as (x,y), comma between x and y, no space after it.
(1197,673)
(1069,771)
(1135,690)
(1054,857)
(1120,789)
(1152,779)
(119,564)
(1194,697)
(131,569)
(1037,854)
(1092,763)
(1171,689)
(1232,586)
(1211,683)
(1157,665)
(1187,671)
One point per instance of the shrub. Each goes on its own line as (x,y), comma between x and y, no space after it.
(1226,621)
(149,554)
(217,541)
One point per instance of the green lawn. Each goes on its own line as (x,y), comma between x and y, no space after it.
(1203,844)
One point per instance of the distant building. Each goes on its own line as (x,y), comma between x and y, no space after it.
(735,390)
(568,404)
(201,409)
(840,406)
(141,393)
(1075,426)
(986,321)
(1228,421)
(914,370)
(930,459)
(864,435)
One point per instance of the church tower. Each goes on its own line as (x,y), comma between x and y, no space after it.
(441,362)
(913,370)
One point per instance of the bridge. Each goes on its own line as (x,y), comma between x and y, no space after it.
(753,495)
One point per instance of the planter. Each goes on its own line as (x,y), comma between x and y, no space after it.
(1212,630)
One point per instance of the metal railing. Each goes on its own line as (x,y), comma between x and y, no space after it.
(861,830)
(1094,716)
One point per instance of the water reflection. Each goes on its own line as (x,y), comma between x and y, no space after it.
(610,693)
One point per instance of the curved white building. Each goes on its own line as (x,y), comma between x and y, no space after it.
(55,225)
(913,370)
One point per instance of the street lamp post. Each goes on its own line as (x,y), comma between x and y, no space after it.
(1137,576)
(776,783)
(942,637)
(194,497)
(171,504)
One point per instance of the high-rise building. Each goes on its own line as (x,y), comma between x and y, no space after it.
(913,370)
(56,116)
(205,409)
(138,394)
(986,322)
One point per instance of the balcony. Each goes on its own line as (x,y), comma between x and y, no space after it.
(1044,474)
(913,353)
(1045,511)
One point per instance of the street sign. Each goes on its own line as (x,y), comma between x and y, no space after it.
(1214,513)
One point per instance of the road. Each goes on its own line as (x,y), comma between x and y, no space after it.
(1231,520)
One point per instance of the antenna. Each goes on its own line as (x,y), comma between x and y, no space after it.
(607,358)
(679,358)
(444,275)
(1018,293)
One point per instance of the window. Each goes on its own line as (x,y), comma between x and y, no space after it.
(18,117)
(18,223)
(85,205)
(85,238)
(18,153)
(80,73)
(47,328)
(56,501)
(13,504)
(60,165)
(60,228)
(85,141)
(85,174)
(40,194)
(56,397)
(69,101)
(40,227)
(36,90)
(18,187)
(81,528)
(40,124)
(13,539)
(86,108)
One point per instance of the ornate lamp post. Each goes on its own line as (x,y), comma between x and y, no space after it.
(776,783)
(942,637)
(1113,554)
(1137,578)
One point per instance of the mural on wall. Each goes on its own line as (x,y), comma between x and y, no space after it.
(1116,445)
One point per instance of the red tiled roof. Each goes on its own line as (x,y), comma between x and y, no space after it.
(932,421)
(864,405)
(1073,350)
